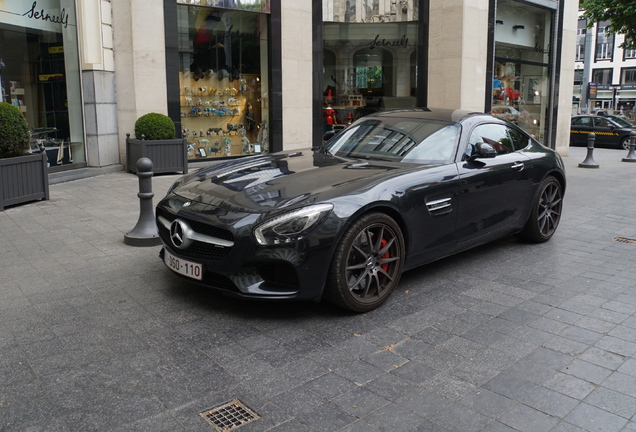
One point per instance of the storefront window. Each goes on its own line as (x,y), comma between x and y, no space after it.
(248,5)
(223,80)
(370,55)
(39,73)
(521,74)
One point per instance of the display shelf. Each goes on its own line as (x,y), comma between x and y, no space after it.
(214,117)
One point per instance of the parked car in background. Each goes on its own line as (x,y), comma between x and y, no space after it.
(342,221)
(610,131)
(506,112)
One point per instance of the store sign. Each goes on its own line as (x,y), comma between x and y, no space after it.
(48,15)
(377,42)
(540,49)
(44,15)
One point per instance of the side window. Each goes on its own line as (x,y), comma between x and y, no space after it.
(601,122)
(582,121)
(519,139)
(493,134)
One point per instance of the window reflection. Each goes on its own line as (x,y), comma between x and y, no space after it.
(520,92)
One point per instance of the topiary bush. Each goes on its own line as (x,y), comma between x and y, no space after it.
(14,132)
(154,126)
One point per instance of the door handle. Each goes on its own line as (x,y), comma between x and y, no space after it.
(518,166)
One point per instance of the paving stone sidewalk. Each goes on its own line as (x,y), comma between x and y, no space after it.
(96,335)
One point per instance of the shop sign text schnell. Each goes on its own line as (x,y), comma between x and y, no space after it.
(377,42)
(62,18)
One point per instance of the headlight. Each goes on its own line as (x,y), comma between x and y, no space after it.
(291,226)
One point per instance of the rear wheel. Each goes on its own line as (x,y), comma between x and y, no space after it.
(367,264)
(545,213)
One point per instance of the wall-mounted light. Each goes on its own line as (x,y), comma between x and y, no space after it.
(499,22)
(518,27)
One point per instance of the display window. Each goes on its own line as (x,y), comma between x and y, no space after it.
(370,54)
(223,80)
(521,75)
(39,73)
(248,5)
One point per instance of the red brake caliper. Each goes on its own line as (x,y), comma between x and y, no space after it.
(386,255)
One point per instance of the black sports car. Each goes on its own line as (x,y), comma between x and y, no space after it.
(609,131)
(342,221)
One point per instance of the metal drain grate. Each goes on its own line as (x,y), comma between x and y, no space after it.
(229,415)
(624,240)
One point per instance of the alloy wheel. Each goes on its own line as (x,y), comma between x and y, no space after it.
(549,209)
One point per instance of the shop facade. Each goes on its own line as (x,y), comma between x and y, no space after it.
(255,76)
(40,74)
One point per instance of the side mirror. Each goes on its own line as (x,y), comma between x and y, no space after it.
(485,150)
(328,135)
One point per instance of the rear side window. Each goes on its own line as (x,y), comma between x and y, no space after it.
(494,134)
(582,121)
(519,139)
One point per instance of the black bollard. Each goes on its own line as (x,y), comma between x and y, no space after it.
(145,232)
(589,160)
(631,155)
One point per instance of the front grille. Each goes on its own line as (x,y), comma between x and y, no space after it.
(198,250)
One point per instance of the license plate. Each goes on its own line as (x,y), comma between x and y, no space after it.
(183,267)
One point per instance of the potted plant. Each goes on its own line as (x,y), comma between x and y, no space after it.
(23,176)
(155,139)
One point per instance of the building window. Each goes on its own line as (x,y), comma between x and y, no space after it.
(40,74)
(602,76)
(604,42)
(628,76)
(224,79)
(580,40)
(629,54)
(370,50)
(521,83)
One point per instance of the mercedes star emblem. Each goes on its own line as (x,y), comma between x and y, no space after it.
(180,234)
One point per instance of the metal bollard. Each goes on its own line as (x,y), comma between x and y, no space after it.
(145,232)
(589,159)
(631,155)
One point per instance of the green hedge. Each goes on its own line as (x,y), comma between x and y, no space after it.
(14,131)
(154,126)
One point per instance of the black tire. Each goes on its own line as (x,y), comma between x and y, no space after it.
(545,213)
(367,264)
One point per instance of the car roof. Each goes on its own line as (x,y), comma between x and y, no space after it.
(443,114)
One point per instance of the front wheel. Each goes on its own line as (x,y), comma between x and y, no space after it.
(545,213)
(367,264)
(625,143)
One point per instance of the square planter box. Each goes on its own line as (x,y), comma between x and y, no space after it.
(166,155)
(23,179)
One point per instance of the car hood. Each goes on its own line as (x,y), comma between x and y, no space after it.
(266,182)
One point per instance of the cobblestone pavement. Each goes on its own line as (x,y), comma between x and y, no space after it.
(96,335)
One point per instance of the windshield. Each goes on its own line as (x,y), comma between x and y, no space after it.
(397,140)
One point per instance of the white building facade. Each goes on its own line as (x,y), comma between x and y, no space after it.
(605,75)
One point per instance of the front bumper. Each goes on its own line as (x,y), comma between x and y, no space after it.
(284,272)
